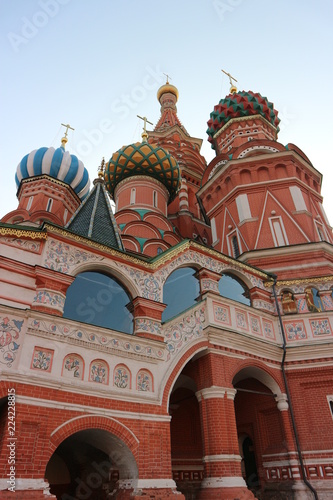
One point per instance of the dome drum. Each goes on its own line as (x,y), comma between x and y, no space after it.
(240,105)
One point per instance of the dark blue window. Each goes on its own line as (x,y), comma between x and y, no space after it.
(181,291)
(98,299)
(233,288)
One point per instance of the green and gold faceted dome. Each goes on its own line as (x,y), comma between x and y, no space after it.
(146,159)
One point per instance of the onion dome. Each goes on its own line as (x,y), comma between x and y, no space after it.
(146,159)
(167,88)
(56,163)
(241,104)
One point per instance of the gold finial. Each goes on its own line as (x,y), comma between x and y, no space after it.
(101,169)
(64,140)
(167,77)
(144,134)
(233,87)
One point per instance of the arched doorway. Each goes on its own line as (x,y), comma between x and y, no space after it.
(259,425)
(249,464)
(186,442)
(89,465)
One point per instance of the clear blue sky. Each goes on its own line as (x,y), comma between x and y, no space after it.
(97,64)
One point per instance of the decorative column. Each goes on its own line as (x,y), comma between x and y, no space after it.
(261,299)
(302,306)
(147,318)
(51,288)
(222,461)
(209,281)
(283,407)
(183,197)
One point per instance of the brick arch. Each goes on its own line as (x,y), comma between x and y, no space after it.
(177,369)
(259,371)
(85,422)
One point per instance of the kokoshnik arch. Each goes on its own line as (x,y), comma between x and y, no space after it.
(182,345)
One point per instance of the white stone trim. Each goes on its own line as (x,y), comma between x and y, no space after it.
(25,484)
(80,387)
(213,392)
(306,452)
(146,483)
(231,393)
(282,402)
(92,410)
(294,462)
(223,482)
(225,457)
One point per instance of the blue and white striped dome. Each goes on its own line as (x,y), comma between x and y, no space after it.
(56,163)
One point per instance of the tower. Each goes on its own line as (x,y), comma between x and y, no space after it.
(51,185)
(263,198)
(185,211)
(142,179)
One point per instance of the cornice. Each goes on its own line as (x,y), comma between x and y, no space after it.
(267,157)
(245,345)
(310,351)
(189,244)
(21,233)
(320,279)
(290,249)
(158,261)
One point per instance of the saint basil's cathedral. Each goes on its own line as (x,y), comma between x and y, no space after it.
(167,332)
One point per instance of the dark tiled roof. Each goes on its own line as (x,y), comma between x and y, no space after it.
(94,218)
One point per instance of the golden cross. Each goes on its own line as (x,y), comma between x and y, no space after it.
(145,121)
(230,77)
(67,127)
(167,76)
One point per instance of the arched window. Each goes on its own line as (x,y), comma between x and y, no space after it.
(31,199)
(98,299)
(155,199)
(49,205)
(180,292)
(235,246)
(233,288)
(133,194)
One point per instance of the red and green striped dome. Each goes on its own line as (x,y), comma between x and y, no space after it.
(143,158)
(241,104)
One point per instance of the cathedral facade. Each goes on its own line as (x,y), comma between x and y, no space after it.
(168,331)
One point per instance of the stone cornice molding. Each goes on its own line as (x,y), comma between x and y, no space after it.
(215,392)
